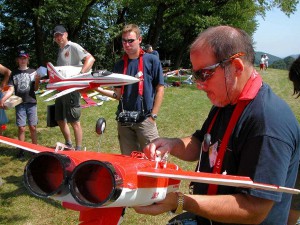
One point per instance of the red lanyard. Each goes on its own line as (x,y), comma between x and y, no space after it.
(249,92)
(140,69)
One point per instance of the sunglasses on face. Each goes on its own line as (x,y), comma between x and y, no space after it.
(207,72)
(128,40)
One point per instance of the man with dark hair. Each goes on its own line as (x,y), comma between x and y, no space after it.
(67,107)
(245,136)
(150,50)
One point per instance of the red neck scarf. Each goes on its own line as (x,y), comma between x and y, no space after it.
(140,70)
(248,93)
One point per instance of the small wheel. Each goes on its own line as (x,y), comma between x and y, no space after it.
(100,125)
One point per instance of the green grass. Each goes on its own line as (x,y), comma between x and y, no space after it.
(184,110)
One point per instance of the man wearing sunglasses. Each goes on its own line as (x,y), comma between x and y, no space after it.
(249,132)
(139,103)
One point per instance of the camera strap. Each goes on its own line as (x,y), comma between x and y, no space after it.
(140,76)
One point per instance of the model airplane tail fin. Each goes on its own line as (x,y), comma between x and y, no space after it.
(54,75)
(107,216)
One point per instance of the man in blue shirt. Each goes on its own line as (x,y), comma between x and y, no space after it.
(139,103)
(252,132)
(149,49)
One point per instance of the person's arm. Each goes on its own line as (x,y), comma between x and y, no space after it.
(88,63)
(294,215)
(159,95)
(237,208)
(37,82)
(115,93)
(7,94)
(6,73)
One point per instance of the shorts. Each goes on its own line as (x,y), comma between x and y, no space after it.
(67,107)
(137,136)
(26,112)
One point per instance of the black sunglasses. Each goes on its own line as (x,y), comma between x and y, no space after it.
(128,40)
(207,72)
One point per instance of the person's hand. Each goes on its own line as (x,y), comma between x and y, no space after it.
(100,89)
(166,205)
(2,104)
(158,148)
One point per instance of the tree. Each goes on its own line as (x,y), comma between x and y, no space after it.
(279,64)
(169,25)
(288,61)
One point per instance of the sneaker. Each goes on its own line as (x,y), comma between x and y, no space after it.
(78,148)
(69,146)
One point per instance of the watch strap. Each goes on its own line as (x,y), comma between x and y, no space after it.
(153,116)
(180,202)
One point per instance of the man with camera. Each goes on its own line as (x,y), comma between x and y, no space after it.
(139,103)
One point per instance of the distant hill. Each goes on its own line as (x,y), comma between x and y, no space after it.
(295,56)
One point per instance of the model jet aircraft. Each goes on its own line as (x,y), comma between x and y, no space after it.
(101,185)
(65,83)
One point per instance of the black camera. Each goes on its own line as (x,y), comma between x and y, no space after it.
(127,118)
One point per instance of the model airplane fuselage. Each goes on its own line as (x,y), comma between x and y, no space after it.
(100,185)
(64,83)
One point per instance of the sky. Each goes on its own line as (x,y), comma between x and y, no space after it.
(278,34)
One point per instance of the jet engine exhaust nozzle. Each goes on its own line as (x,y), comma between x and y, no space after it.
(46,175)
(94,183)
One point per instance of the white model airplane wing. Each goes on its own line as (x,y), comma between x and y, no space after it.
(67,91)
(218,179)
(46,93)
(25,145)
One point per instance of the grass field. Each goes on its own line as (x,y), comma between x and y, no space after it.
(184,110)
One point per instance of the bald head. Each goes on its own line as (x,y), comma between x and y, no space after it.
(225,41)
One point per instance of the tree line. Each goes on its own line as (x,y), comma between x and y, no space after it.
(169,26)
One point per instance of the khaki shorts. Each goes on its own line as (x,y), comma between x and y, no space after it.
(67,107)
(137,136)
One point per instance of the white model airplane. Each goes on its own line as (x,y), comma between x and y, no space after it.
(82,82)
(101,185)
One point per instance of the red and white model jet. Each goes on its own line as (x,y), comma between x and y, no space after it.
(101,185)
(82,82)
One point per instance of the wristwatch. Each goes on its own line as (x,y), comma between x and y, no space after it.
(180,202)
(153,116)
